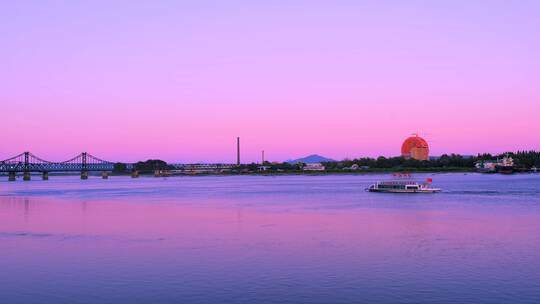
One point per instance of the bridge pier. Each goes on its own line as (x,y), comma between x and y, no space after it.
(84,174)
(104,175)
(135,174)
(26,176)
(45,175)
(12,176)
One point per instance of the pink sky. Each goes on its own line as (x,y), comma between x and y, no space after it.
(180,81)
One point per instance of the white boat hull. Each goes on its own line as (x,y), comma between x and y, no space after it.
(433,190)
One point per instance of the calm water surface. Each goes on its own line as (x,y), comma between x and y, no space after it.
(259,239)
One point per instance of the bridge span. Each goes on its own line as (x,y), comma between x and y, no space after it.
(26,163)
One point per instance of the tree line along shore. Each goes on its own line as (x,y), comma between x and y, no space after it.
(524,161)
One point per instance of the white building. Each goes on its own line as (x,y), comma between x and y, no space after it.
(492,165)
(314,167)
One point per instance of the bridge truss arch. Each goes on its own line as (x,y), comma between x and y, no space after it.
(28,162)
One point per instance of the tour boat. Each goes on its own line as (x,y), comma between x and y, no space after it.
(403,186)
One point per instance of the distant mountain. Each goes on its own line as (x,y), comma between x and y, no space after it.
(310,159)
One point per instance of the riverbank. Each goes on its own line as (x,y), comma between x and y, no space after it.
(371,171)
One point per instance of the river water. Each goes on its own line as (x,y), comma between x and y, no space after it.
(264,239)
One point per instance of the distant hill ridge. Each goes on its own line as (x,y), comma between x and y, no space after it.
(314,158)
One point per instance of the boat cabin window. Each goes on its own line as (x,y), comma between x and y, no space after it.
(391,186)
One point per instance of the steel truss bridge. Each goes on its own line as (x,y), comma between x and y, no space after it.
(27,162)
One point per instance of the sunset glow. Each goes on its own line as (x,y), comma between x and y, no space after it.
(179,82)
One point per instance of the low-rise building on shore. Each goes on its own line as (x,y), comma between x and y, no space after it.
(488,166)
(314,167)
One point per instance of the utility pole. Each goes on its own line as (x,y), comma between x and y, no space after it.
(238,151)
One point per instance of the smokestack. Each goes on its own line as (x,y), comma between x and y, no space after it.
(262,163)
(238,151)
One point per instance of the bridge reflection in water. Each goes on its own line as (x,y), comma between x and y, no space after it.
(26,163)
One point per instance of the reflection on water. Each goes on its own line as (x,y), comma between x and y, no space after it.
(292,239)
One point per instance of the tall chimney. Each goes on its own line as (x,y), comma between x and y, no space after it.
(262,158)
(238,151)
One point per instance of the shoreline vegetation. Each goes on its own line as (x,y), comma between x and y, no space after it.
(524,161)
